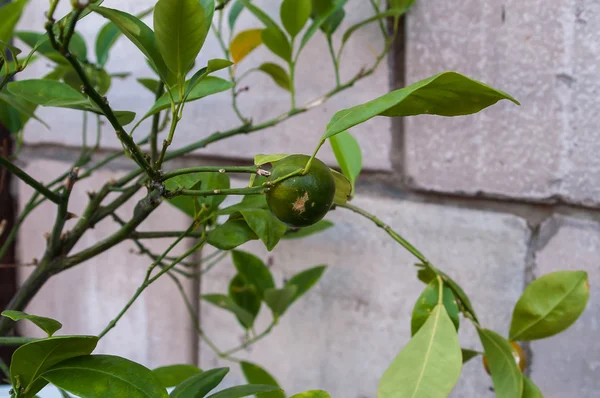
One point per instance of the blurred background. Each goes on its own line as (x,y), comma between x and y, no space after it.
(495,199)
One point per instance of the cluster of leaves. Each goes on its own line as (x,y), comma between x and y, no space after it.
(68,363)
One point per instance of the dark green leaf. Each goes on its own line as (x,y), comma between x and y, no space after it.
(277,73)
(276,41)
(429,365)
(467,354)
(401,4)
(5,47)
(506,375)
(40,41)
(253,270)
(244,391)
(234,12)
(226,303)
(334,20)
(105,376)
(124,117)
(245,295)
(306,279)
(108,36)
(348,155)
(254,374)
(139,34)
(10,117)
(273,158)
(426,303)
(47,93)
(549,305)
(200,385)
(150,84)
(459,294)
(32,359)
(244,43)
(445,94)
(24,109)
(343,188)
(48,325)
(180,31)
(207,86)
(279,300)
(230,235)
(426,275)
(266,226)
(98,78)
(312,394)
(322,10)
(530,390)
(9,15)
(260,14)
(294,14)
(172,375)
(296,233)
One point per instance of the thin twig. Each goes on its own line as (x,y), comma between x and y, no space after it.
(29,180)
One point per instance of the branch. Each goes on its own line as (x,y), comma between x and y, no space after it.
(233,191)
(215,169)
(29,180)
(15,341)
(163,234)
(155,125)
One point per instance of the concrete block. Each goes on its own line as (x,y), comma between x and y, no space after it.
(543,53)
(157,329)
(567,365)
(342,336)
(263,101)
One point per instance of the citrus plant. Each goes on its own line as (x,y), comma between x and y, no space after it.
(287,197)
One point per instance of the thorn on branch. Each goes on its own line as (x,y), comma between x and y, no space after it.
(72,178)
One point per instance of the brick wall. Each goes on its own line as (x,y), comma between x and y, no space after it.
(495,199)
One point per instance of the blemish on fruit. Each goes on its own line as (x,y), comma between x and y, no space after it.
(300,203)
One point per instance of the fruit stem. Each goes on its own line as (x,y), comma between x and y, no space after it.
(307,167)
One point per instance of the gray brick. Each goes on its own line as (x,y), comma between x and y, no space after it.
(567,365)
(264,101)
(541,52)
(86,297)
(345,332)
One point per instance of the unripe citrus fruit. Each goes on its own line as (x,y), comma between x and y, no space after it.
(518,355)
(301,200)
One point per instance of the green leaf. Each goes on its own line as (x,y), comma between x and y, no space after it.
(549,305)
(5,47)
(234,12)
(40,42)
(47,93)
(98,78)
(124,117)
(245,295)
(139,34)
(207,86)
(279,300)
(244,391)
(10,117)
(253,270)
(212,66)
(179,27)
(226,303)
(277,73)
(261,159)
(322,10)
(23,108)
(48,325)
(199,385)
(401,4)
(467,354)
(429,365)
(32,359)
(426,303)
(9,15)
(334,20)
(266,226)
(506,375)
(105,376)
(276,41)
(201,181)
(254,374)
(445,94)
(230,235)
(172,375)
(394,12)
(150,84)
(244,43)
(343,188)
(530,390)
(312,394)
(348,155)
(260,14)
(296,233)
(294,14)
(305,280)
(108,35)
(249,202)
